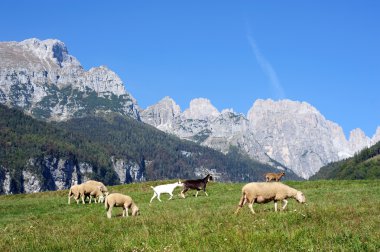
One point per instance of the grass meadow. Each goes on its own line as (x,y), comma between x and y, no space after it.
(339,216)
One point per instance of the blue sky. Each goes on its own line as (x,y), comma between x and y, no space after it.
(326,53)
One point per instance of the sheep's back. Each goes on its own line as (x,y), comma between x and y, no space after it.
(264,189)
(118,199)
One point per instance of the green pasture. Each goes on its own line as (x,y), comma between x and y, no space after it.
(339,216)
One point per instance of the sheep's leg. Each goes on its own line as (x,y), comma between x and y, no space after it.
(154,196)
(250,205)
(69,199)
(82,198)
(275,206)
(285,202)
(90,199)
(109,212)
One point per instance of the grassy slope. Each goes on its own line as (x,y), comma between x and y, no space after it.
(340,216)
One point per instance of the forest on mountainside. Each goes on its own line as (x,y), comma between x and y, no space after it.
(96,139)
(363,165)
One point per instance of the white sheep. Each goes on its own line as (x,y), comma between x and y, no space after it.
(262,192)
(97,183)
(120,200)
(88,189)
(168,188)
(74,192)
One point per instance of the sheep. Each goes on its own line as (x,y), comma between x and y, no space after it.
(97,183)
(120,200)
(89,189)
(97,194)
(274,176)
(197,184)
(74,192)
(262,192)
(168,188)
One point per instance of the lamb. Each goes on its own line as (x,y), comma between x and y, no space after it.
(74,192)
(274,176)
(197,184)
(120,200)
(168,188)
(262,192)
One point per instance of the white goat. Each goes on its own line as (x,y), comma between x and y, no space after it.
(168,188)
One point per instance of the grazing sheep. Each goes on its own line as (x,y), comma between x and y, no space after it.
(274,176)
(120,200)
(168,188)
(97,194)
(74,192)
(262,192)
(89,189)
(97,183)
(197,184)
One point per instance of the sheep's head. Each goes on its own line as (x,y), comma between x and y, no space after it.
(300,197)
(135,210)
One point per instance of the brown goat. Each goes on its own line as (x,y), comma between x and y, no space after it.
(274,176)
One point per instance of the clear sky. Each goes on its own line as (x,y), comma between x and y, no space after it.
(326,53)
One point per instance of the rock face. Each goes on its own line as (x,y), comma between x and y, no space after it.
(55,173)
(290,133)
(41,78)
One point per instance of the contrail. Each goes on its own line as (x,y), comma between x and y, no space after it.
(267,68)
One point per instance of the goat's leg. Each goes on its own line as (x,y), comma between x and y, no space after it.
(204,190)
(196,195)
(183,192)
(171,196)
(154,196)
(158,197)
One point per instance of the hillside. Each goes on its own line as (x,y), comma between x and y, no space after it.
(163,155)
(38,156)
(363,165)
(339,216)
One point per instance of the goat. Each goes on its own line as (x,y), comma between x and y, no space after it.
(196,184)
(168,188)
(274,176)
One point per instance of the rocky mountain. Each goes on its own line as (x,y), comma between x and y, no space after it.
(283,133)
(44,80)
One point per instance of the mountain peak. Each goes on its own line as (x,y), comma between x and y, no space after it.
(53,49)
(201,108)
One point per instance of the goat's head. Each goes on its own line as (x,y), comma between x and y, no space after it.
(209,177)
(179,183)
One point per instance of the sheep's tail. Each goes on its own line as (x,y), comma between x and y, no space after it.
(242,201)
